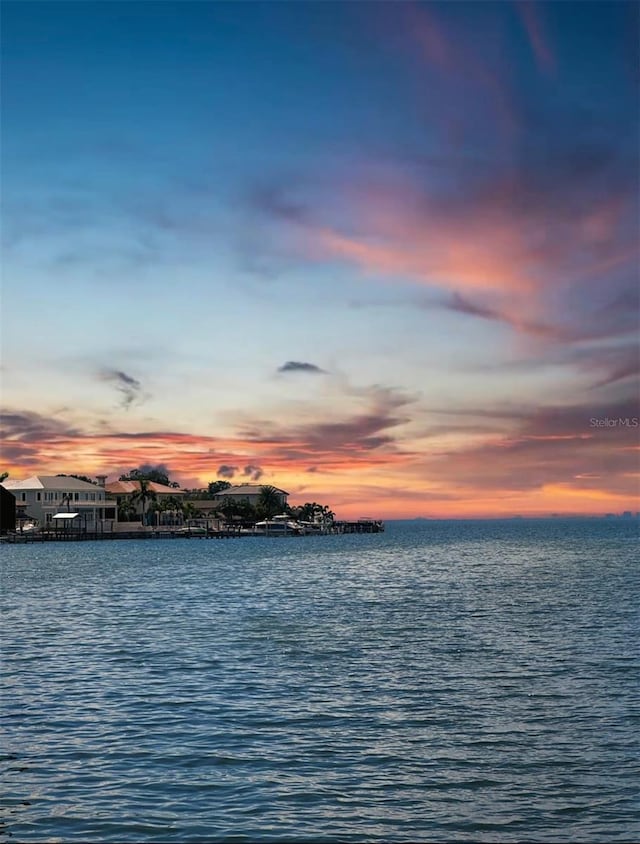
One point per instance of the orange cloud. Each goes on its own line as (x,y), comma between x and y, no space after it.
(517,260)
(548,460)
(481,259)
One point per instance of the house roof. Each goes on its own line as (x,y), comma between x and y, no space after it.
(50,482)
(204,504)
(247,489)
(127,487)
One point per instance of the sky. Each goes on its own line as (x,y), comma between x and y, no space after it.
(381,255)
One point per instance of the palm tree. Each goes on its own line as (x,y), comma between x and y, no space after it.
(189,511)
(174,505)
(327,516)
(126,511)
(314,512)
(269,502)
(143,496)
(307,512)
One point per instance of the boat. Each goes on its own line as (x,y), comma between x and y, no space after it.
(313,527)
(278,526)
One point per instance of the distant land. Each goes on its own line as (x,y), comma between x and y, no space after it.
(627,514)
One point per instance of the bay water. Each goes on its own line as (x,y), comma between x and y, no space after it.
(441,681)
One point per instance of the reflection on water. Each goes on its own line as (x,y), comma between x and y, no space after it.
(442,681)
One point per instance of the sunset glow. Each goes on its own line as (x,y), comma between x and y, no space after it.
(383,256)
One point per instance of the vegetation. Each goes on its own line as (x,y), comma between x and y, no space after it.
(78,477)
(239,511)
(216,487)
(143,496)
(269,503)
(267,506)
(313,512)
(157,474)
(126,511)
(189,511)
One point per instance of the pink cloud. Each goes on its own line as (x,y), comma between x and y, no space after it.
(530,16)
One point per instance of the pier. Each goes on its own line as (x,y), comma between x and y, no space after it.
(359,526)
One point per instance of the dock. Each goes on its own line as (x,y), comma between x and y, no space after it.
(70,535)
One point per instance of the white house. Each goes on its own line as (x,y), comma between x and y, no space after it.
(44,496)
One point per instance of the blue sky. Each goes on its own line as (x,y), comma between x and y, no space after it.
(432,205)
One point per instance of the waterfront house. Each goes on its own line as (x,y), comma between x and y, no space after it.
(7,510)
(43,497)
(248,494)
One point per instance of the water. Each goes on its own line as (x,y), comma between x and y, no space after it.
(443,681)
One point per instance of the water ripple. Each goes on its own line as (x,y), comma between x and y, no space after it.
(439,682)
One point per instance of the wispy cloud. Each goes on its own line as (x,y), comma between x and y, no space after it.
(568,446)
(129,387)
(522,222)
(463,305)
(610,365)
(300,366)
(25,434)
(364,436)
(531,16)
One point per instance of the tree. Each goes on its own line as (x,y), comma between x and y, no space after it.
(326,515)
(269,502)
(78,477)
(238,511)
(142,496)
(174,505)
(147,472)
(217,486)
(126,511)
(4,476)
(189,511)
(314,512)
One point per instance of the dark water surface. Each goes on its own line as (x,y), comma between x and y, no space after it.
(443,681)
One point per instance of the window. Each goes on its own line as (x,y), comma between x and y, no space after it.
(76,496)
(49,518)
(38,496)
